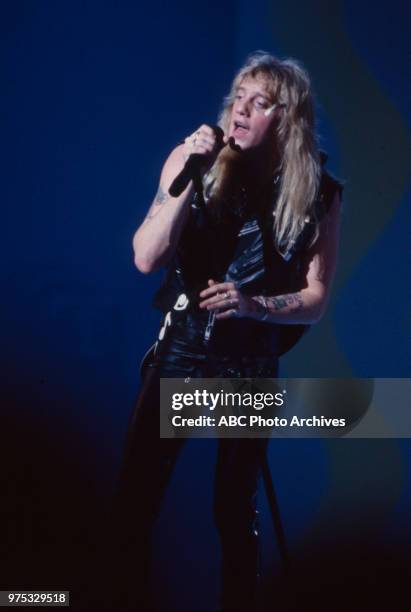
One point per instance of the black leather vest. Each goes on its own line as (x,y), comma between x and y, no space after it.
(241,250)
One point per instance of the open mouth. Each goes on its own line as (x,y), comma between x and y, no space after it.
(240,128)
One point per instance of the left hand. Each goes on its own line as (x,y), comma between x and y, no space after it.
(226,301)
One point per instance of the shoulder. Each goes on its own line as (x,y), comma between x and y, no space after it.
(330,190)
(329,183)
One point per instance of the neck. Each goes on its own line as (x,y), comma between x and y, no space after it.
(235,171)
(258,167)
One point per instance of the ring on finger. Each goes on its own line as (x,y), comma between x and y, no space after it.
(226,295)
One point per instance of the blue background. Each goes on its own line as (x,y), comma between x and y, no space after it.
(94,96)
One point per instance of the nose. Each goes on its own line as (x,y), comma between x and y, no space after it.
(243,107)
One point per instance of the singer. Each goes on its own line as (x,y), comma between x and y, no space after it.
(249,235)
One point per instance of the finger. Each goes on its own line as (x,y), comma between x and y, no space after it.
(214,302)
(209,147)
(206,138)
(211,282)
(227,314)
(199,149)
(212,290)
(206,129)
(206,145)
(219,301)
(216,288)
(199,137)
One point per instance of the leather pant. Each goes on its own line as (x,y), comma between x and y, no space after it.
(149,461)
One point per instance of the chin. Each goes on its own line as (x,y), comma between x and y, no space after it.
(248,147)
(242,143)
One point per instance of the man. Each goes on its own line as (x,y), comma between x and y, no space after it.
(250,246)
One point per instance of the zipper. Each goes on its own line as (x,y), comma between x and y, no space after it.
(209,328)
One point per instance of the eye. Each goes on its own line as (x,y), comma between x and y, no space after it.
(263,104)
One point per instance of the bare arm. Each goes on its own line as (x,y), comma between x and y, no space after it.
(309,304)
(305,306)
(157,237)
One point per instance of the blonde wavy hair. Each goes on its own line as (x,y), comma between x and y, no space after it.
(288,84)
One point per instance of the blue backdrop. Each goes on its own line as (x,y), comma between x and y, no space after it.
(95,95)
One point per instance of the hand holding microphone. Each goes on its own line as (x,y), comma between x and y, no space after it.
(199,150)
(204,141)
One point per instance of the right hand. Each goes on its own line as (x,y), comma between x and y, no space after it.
(202,142)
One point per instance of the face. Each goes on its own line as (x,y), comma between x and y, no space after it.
(249,125)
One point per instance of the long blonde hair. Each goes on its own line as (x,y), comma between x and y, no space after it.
(300,169)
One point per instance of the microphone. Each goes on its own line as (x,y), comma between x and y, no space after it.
(192,167)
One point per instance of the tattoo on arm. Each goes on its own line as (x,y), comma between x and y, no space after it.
(161,196)
(264,306)
(159,200)
(294,300)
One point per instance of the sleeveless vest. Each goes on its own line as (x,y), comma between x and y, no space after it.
(240,250)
